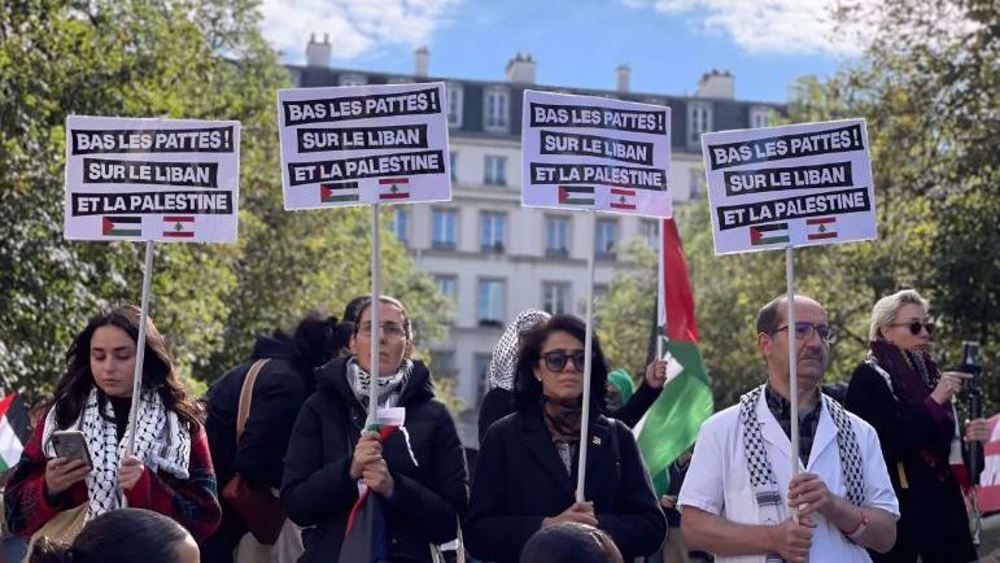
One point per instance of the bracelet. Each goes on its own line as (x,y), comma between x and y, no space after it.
(859,531)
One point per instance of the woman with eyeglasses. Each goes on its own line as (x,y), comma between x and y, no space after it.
(415,476)
(526,472)
(900,391)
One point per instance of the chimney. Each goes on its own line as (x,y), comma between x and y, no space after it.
(716,84)
(421,61)
(521,69)
(318,54)
(624,75)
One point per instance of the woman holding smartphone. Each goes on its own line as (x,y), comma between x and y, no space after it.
(169,470)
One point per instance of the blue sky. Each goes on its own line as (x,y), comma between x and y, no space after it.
(667,43)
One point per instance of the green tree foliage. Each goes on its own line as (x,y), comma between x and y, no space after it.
(625,315)
(188,58)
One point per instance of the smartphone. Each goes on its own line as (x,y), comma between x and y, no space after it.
(71,444)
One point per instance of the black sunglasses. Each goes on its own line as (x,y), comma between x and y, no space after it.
(555,360)
(915,327)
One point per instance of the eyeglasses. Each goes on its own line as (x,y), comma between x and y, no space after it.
(555,360)
(391,330)
(915,327)
(804,331)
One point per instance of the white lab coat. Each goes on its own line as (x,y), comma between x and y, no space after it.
(718,482)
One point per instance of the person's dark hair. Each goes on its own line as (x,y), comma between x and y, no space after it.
(570,542)
(769,317)
(158,370)
(316,340)
(127,535)
(528,390)
(352,311)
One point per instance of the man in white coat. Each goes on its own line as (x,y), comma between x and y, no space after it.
(738,496)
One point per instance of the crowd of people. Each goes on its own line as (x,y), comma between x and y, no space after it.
(288,433)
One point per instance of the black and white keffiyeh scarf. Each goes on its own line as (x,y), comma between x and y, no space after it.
(500,372)
(762,479)
(162,443)
(389,387)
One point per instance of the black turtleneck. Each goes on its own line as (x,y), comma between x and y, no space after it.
(121,407)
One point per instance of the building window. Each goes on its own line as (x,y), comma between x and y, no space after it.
(481,368)
(400,80)
(699,121)
(454,92)
(649,230)
(399,224)
(445,223)
(453,163)
(556,236)
(605,239)
(495,170)
(759,116)
(443,364)
(600,292)
(353,80)
(555,297)
(497,110)
(490,307)
(697,181)
(447,285)
(492,231)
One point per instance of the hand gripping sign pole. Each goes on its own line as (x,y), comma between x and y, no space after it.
(376,326)
(581,473)
(140,350)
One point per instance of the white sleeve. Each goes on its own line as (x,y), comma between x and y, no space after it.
(703,486)
(878,487)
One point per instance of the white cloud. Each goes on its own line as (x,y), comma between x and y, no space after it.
(768,26)
(355,27)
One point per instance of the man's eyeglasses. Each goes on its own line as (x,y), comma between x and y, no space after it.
(916,325)
(556,360)
(391,330)
(804,331)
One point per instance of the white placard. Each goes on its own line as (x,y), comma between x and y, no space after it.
(587,152)
(171,180)
(799,185)
(357,145)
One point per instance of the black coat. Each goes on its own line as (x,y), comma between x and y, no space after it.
(281,388)
(520,480)
(318,490)
(933,520)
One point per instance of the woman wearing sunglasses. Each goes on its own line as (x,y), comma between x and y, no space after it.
(910,402)
(526,472)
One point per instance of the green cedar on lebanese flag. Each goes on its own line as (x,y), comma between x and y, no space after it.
(671,425)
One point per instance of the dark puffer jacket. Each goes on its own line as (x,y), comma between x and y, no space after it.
(318,491)
(282,387)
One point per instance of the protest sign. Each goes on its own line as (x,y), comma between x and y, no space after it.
(151,179)
(365,144)
(797,185)
(595,153)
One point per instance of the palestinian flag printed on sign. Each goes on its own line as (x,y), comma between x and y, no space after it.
(178,226)
(576,195)
(772,233)
(820,228)
(341,191)
(15,430)
(121,226)
(393,189)
(622,198)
